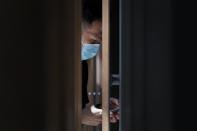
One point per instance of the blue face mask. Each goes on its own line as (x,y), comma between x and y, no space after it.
(89,51)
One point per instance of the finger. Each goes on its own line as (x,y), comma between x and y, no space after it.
(113,120)
(111,114)
(95,120)
(98,123)
(98,114)
(117,116)
(95,123)
(99,118)
(114,101)
(114,114)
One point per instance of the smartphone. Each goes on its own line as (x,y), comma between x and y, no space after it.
(115,109)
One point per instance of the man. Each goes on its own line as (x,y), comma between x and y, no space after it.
(91,39)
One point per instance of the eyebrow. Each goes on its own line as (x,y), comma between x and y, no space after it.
(97,36)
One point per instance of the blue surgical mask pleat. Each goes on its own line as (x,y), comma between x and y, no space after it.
(89,51)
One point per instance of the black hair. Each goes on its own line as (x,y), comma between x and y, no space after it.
(91,10)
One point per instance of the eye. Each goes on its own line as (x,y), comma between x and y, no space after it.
(93,41)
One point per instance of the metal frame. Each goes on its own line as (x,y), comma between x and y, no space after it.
(105,63)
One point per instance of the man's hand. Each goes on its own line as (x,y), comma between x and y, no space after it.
(93,117)
(114,103)
(89,118)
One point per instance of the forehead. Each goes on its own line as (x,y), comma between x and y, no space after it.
(95,29)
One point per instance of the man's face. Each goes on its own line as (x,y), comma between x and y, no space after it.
(92,34)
